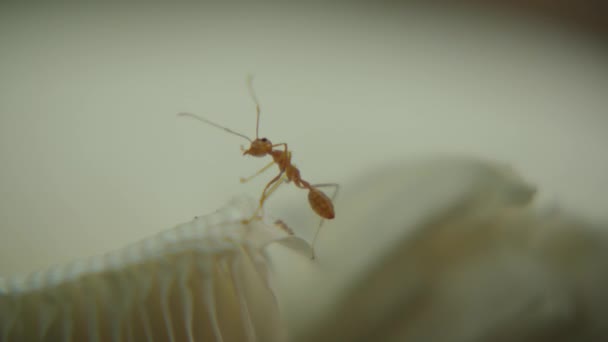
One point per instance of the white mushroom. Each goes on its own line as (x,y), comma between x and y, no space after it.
(203,280)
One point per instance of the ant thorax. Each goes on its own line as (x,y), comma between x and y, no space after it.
(281,159)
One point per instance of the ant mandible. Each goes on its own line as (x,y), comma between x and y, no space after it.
(320,203)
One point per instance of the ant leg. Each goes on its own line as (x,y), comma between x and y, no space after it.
(265,195)
(281,144)
(336,186)
(268,191)
(276,185)
(245,180)
(272,189)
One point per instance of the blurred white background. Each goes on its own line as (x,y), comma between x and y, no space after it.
(93,156)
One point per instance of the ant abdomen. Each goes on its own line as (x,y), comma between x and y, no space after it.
(321,204)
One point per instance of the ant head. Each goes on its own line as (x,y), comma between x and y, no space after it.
(259,147)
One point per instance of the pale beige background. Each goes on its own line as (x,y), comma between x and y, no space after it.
(93,157)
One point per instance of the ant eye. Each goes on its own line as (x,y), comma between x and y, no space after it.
(264,139)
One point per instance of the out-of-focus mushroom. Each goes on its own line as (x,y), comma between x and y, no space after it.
(448,249)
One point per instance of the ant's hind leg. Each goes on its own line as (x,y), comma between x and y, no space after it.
(336,186)
(262,170)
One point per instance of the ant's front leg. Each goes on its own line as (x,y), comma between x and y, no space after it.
(245,180)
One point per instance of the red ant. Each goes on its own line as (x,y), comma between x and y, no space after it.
(261,147)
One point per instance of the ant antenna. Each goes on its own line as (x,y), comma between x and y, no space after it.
(200,118)
(257,103)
